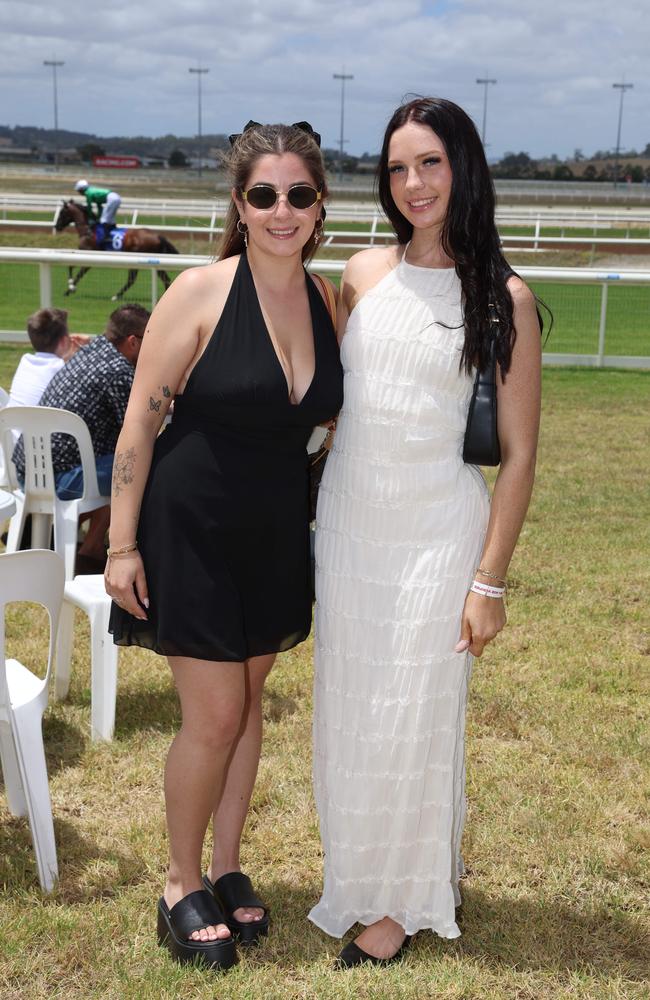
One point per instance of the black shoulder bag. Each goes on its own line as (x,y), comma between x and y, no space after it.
(481,445)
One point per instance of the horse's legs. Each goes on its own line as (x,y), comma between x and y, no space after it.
(133,274)
(74,279)
(164,277)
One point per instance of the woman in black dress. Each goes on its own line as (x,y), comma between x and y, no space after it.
(209,548)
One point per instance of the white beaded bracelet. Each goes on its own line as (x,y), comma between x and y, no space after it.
(486,590)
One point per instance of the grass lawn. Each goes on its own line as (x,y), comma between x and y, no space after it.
(558,831)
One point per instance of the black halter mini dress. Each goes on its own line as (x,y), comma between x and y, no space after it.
(223,528)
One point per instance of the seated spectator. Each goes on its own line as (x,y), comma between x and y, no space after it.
(96,384)
(47,330)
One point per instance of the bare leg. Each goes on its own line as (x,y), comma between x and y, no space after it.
(230,814)
(212,697)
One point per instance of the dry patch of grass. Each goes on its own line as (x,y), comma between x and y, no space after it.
(556,844)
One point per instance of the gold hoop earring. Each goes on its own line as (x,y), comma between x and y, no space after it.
(318,232)
(242,229)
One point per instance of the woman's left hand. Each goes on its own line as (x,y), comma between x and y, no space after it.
(483,618)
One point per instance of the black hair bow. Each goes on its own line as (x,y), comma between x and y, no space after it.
(303,126)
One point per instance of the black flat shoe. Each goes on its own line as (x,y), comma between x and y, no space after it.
(353,955)
(192,913)
(232,891)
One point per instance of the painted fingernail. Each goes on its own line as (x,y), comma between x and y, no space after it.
(146,602)
(461,646)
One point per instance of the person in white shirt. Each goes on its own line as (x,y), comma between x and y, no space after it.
(53,346)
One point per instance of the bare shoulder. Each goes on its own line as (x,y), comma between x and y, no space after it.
(206,278)
(376,261)
(522,297)
(365,270)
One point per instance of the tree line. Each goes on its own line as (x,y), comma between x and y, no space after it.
(179,151)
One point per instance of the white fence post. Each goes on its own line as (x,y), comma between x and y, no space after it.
(602,324)
(45,284)
(154,287)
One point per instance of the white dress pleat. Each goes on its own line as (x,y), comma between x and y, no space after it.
(400,527)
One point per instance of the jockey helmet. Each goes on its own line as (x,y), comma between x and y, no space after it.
(81,185)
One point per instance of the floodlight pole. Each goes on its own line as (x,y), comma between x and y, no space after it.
(485,81)
(622,87)
(342,77)
(199,71)
(54,63)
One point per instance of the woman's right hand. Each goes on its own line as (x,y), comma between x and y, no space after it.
(126,583)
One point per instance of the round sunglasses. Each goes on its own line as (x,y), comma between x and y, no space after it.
(263,196)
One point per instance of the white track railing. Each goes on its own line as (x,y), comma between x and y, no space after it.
(352,239)
(46,259)
(367,209)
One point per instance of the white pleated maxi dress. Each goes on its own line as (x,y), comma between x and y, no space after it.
(400,527)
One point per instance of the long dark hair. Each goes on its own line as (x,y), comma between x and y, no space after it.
(262,140)
(469,234)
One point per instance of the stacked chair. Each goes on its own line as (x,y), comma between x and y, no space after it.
(36,576)
(38,497)
(46,577)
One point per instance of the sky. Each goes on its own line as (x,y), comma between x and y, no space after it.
(126,67)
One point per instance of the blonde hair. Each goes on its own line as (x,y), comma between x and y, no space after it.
(248,148)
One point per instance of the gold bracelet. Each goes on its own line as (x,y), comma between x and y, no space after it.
(492,576)
(122,550)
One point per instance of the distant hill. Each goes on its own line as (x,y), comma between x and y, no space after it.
(30,137)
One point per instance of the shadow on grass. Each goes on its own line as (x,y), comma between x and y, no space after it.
(64,742)
(76,854)
(147,709)
(523,935)
(276,706)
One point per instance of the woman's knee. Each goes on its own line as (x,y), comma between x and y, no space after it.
(216,724)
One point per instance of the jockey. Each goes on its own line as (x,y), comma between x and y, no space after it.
(100,199)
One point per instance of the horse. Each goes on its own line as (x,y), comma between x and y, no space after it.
(131,240)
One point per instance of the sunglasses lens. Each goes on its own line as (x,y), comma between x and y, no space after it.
(302,196)
(261,196)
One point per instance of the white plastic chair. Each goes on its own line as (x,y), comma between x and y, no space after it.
(36,424)
(38,497)
(4,399)
(7,505)
(38,576)
(88,593)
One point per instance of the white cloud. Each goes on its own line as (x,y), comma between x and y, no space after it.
(126,66)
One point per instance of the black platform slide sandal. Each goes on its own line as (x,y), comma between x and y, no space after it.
(192,913)
(353,955)
(233,891)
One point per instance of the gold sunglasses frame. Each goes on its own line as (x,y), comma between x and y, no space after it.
(319,195)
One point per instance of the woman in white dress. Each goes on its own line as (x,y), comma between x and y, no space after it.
(405,529)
